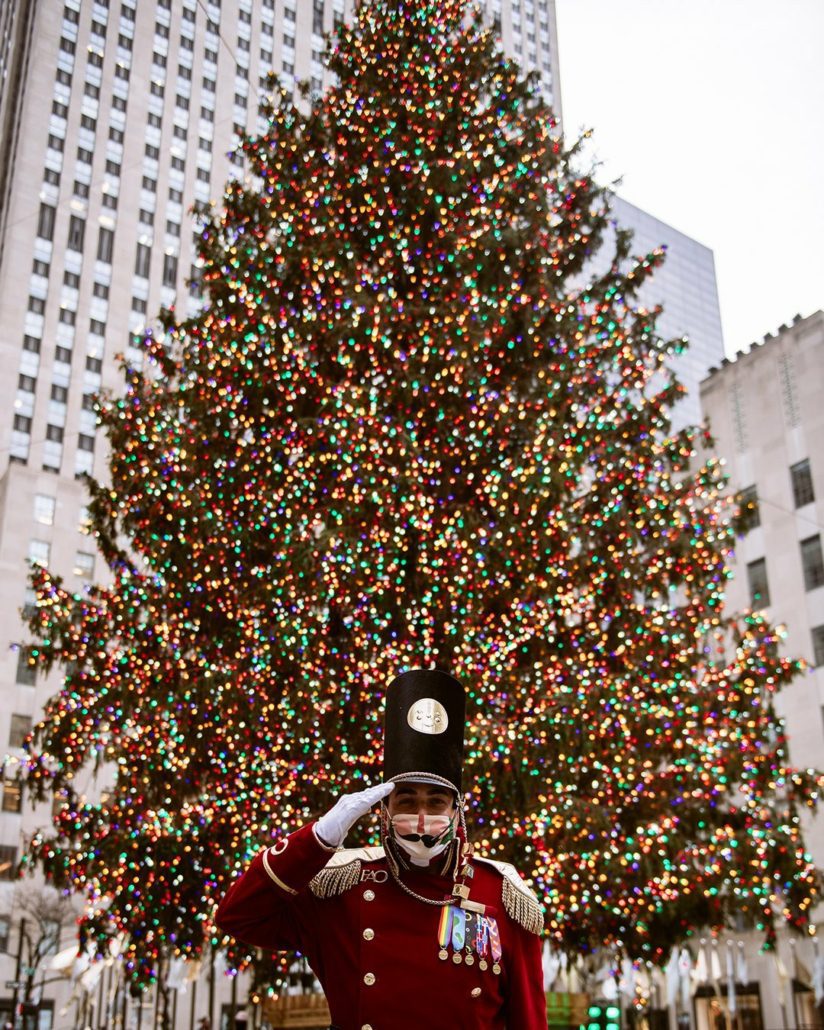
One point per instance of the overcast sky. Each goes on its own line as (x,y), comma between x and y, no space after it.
(712,113)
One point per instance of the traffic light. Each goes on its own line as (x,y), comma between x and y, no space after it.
(605,1015)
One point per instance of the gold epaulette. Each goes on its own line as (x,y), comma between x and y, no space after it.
(342,871)
(519,901)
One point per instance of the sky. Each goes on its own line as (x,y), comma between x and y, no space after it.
(712,114)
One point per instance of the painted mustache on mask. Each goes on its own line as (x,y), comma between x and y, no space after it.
(413,828)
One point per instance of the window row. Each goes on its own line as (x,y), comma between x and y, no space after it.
(801,482)
(812,566)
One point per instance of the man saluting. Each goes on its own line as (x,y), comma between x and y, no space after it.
(420,932)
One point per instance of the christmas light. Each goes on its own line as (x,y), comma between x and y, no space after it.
(400,436)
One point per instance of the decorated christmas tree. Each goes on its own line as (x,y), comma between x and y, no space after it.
(399,435)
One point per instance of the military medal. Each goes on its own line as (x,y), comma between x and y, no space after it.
(481,941)
(469,958)
(458,933)
(495,945)
(444,931)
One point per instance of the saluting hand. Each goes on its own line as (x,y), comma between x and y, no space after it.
(333,827)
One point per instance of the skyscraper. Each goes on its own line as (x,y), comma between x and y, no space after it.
(115,118)
(764,411)
(686,288)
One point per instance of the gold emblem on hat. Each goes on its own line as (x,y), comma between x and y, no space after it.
(428,716)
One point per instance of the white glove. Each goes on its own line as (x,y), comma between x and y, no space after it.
(331,829)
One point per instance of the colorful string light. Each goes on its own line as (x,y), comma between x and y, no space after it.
(399,436)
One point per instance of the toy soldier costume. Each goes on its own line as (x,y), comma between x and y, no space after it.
(418,933)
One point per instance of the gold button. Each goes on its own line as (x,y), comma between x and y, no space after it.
(368,934)
(476,991)
(368,895)
(369,979)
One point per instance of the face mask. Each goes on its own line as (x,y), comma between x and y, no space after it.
(423,837)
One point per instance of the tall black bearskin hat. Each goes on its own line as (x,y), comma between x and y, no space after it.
(424,728)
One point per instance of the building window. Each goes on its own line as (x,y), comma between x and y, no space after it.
(169,270)
(85,442)
(818,645)
(5,928)
(80,189)
(812,562)
(45,222)
(105,245)
(54,433)
(84,564)
(77,231)
(31,344)
(802,483)
(8,861)
(142,260)
(67,316)
(44,509)
(71,279)
(749,514)
(757,579)
(19,729)
(12,794)
(97,327)
(26,670)
(22,424)
(37,305)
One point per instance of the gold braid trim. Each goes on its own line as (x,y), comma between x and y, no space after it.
(342,872)
(328,883)
(520,903)
(523,908)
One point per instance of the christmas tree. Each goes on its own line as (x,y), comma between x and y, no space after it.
(400,436)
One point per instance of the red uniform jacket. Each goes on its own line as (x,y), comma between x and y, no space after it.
(375,949)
